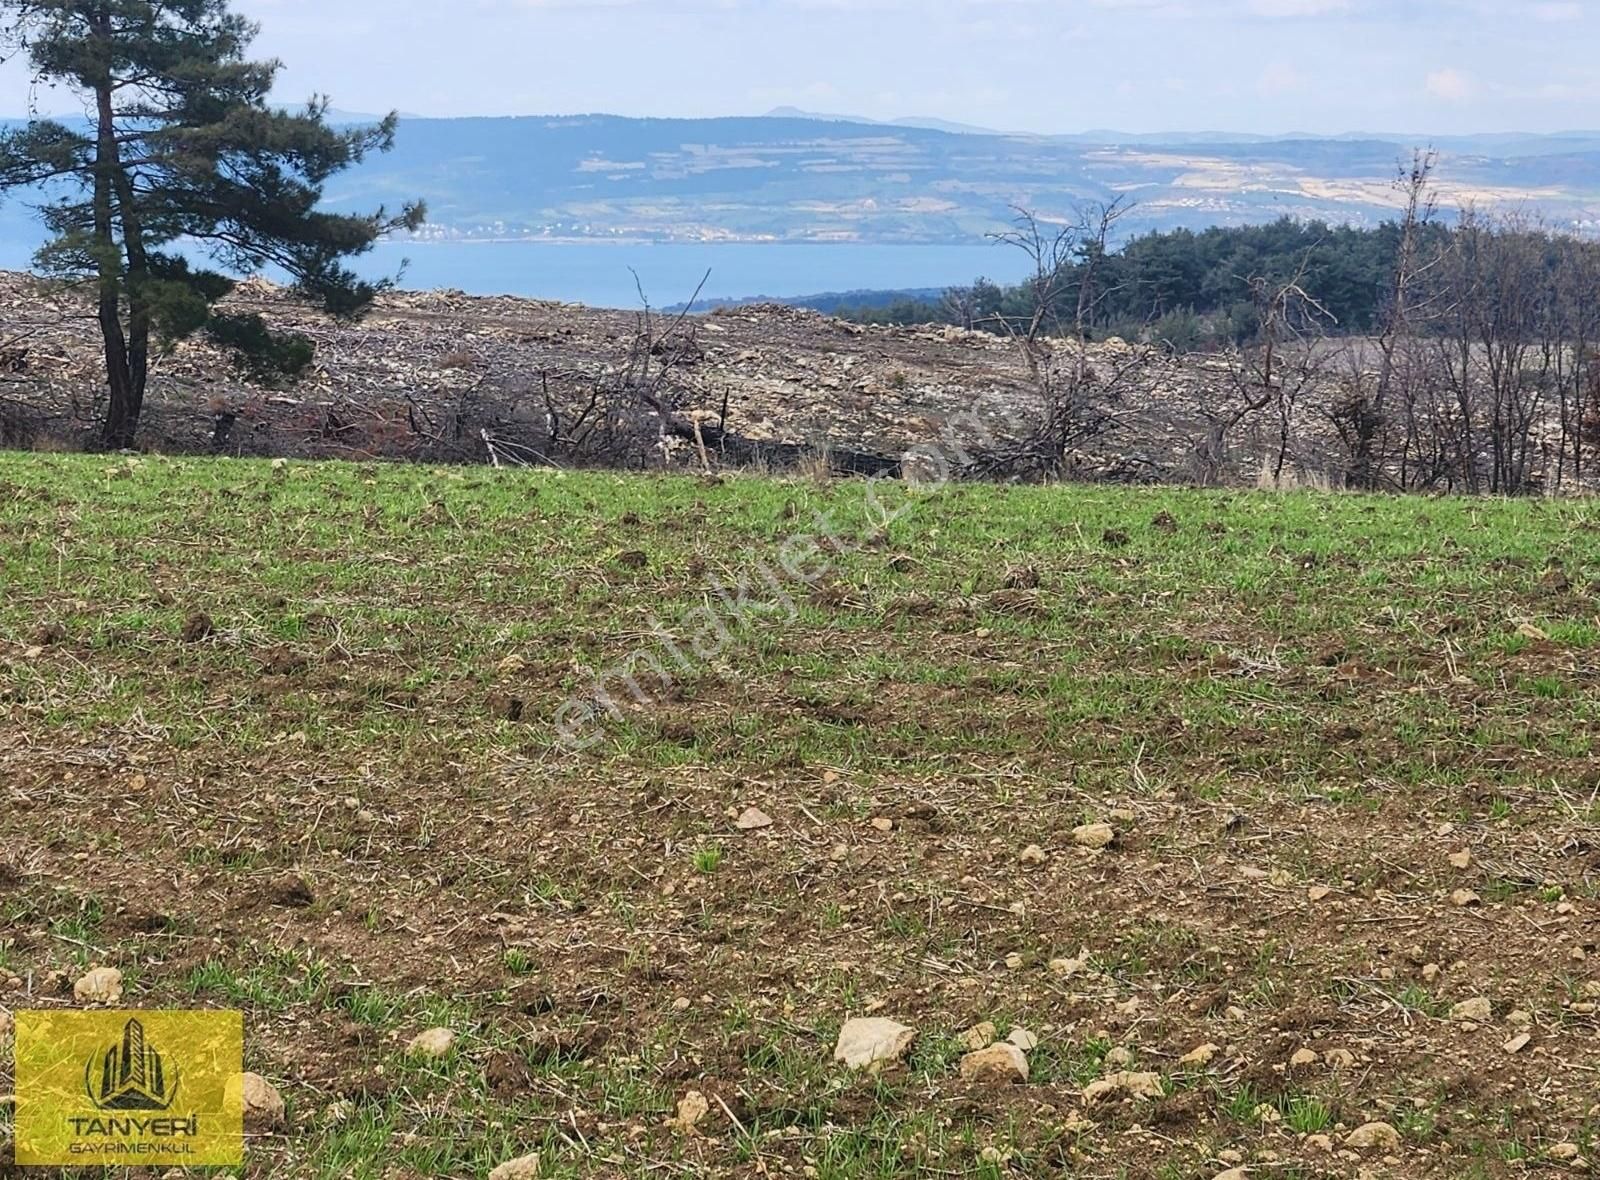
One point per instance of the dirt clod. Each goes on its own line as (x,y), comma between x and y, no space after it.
(197,627)
(291,891)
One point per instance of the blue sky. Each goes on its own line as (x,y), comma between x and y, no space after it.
(1323,66)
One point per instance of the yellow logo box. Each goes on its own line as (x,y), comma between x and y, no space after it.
(154,1089)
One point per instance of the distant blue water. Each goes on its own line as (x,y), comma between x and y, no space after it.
(598,274)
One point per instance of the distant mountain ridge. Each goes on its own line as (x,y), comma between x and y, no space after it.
(795,177)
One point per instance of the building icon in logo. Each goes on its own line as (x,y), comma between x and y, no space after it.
(132,1075)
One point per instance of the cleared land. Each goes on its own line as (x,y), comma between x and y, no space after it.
(257,749)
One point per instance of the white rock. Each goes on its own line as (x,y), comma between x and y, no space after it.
(1023,1039)
(1094,836)
(1517,1043)
(998,1063)
(1478,1009)
(1067,968)
(1200,1055)
(692,1108)
(525,1167)
(1303,1058)
(1131,1085)
(432,1043)
(103,985)
(979,1036)
(872,1041)
(752,820)
(262,1104)
(1373,1135)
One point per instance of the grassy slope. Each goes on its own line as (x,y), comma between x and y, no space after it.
(1265,694)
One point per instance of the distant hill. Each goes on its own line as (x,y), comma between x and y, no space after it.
(794,177)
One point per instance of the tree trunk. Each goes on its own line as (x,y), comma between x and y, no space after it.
(125,365)
(122,416)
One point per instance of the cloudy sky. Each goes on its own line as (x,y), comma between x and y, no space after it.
(1435,66)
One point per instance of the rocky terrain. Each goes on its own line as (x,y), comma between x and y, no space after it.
(426,375)
(1109,833)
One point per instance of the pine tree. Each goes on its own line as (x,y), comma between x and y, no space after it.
(181,158)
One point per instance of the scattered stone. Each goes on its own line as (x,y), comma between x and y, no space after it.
(1200,1056)
(753,820)
(1319,1143)
(1094,836)
(1340,1058)
(1529,631)
(1318,892)
(1123,1085)
(525,1167)
(1518,1043)
(1478,1010)
(1023,1039)
(103,985)
(1118,1057)
(979,1036)
(1563,1151)
(1465,897)
(433,1043)
(692,1108)
(1033,855)
(1067,968)
(1519,1019)
(883,824)
(1014,962)
(1233,1174)
(1430,972)
(1461,860)
(1373,1135)
(261,1102)
(872,1041)
(512,665)
(1304,1058)
(1002,1063)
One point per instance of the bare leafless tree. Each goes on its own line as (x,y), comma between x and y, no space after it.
(1288,362)
(1080,397)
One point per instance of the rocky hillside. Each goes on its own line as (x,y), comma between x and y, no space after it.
(440,375)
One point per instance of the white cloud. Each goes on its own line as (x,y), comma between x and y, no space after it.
(1297,7)
(1449,84)
(1557,12)
(1280,78)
